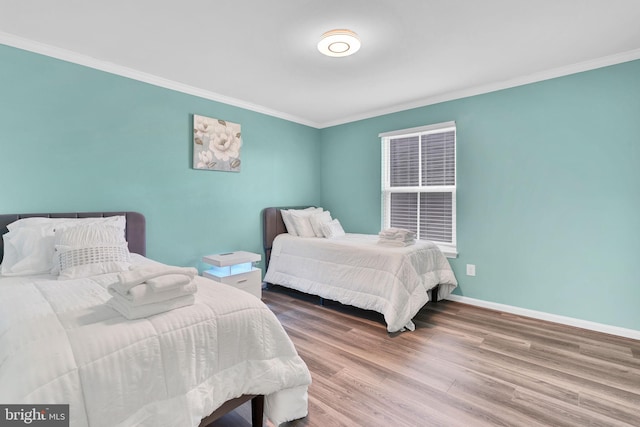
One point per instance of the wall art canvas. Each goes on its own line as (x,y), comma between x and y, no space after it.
(216,144)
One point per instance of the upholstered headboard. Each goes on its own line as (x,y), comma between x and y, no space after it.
(135,231)
(272,225)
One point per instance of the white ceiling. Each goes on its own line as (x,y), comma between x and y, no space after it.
(261,54)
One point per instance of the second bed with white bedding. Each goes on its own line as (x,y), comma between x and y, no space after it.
(355,270)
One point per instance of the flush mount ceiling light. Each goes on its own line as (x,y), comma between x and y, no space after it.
(339,43)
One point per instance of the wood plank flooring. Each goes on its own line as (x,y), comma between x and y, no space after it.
(462,366)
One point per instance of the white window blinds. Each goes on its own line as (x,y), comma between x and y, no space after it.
(419,182)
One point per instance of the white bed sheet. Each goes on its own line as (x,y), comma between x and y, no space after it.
(60,343)
(355,270)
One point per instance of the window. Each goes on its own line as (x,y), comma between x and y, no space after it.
(419,183)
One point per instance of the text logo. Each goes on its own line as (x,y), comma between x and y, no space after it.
(34,415)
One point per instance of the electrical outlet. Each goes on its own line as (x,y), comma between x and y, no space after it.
(471,270)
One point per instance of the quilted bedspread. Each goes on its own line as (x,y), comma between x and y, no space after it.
(60,343)
(355,270)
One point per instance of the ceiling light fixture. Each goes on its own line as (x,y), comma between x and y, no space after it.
(339,43)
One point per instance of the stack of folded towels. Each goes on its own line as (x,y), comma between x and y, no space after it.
(396,237)
(152,289)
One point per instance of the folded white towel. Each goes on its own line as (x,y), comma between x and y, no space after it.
(129,279)
(144,294)
(396,244)
(397,234)
(395,230)
(397,239)
(168,282)
(124,307)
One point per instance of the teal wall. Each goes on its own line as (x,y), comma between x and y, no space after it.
(548,175)
(76,139)
(548,200)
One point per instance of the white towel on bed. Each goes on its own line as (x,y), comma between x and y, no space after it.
(396,243)
(396,237)
(144,294)
(397,234)
(124,307)
(129,279)
(168,282)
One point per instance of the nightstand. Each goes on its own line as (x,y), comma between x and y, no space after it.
(236,269)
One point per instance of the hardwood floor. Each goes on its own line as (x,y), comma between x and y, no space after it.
(462,366)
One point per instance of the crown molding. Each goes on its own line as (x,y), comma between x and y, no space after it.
(87,61)
(619,58)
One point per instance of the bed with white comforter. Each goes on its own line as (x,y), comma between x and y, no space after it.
(60,343)
(355,270)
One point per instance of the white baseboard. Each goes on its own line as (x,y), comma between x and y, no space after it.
(570,321)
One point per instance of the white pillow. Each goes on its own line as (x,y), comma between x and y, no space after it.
(302,223)
(34,222)
(317,219)
(87,261)
(30,242)
(26,251)
(49,224)
(288,222)
(90,249)
(332,229)
(11,255)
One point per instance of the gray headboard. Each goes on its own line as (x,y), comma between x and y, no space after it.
(135,232)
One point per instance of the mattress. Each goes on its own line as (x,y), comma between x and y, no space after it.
(60,343)
(355,270)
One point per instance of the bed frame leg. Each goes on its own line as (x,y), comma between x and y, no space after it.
(257,411)
(434,293)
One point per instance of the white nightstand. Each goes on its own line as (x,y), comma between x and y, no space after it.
(236,269)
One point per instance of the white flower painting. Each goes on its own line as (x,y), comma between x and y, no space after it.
(216,144)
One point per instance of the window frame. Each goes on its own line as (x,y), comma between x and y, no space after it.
(448,248)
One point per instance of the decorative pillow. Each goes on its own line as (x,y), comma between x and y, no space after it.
(288,222)
(30,242)
(332,229)
(90,249)
(86,261)
(302,223)
(317,219)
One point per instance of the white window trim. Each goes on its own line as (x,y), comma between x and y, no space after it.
(420,129)
(448,249)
